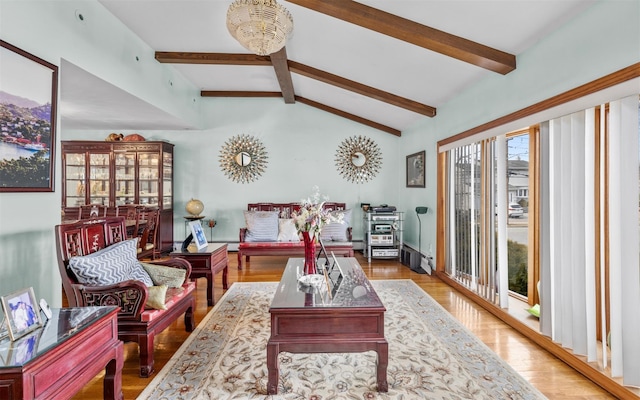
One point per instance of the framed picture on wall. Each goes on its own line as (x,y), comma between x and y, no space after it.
(28,93)
(415,169)
(21,312)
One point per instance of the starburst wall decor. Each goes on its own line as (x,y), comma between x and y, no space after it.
(243,158)
(358,159)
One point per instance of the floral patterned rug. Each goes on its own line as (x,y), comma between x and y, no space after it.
(431,356)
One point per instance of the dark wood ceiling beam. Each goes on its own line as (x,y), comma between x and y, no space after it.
(359,88)
(238,93)
(283,74)
(280,65)
(323,107)
(346,115)
(278,60)
(415,33)
(177,57)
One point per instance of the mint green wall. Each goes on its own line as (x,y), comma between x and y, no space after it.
(301,141)
(603,39)
(50,30)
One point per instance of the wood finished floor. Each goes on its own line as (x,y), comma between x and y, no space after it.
(551,376)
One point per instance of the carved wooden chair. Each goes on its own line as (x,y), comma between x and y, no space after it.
(148,235)
(89,211)
(135,322)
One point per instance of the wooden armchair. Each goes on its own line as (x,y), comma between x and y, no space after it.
(135,323)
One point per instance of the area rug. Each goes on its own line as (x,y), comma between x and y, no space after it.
(431,356)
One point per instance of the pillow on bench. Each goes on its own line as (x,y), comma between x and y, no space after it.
(114,264)
(163,275)
(262,226)
(118,263)
(337,231)
(287,231)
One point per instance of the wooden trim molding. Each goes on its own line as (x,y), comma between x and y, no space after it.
(607,81)
(613,386)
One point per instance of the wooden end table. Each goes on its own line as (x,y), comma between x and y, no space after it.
(206,263)
(59,359)
(305,320)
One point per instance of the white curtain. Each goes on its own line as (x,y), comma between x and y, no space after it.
(624,247)
(567,267)
(568,235)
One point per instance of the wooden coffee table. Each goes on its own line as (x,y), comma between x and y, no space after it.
(306,320)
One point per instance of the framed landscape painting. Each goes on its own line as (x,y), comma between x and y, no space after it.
(28,94)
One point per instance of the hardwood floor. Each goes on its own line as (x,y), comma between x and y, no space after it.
(552,377)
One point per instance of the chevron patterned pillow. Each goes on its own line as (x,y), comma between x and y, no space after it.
(114,264)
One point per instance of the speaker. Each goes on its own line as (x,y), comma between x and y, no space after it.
(410,258)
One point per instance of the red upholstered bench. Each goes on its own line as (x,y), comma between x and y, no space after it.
(277,248)
(136,322)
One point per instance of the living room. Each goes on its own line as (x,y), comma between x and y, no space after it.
(301,140)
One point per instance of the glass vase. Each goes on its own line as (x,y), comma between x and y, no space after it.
(309,253)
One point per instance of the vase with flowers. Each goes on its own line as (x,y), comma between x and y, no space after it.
(309,220)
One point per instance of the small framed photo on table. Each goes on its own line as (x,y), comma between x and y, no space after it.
(21,311)
(198,234)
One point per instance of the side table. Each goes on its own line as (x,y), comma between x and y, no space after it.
(59,359)
(205,263)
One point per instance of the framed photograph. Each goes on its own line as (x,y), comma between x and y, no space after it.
(21,312)
(415,169)
(28,93)
(198,235)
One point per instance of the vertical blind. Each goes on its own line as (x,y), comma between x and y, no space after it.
(589,235)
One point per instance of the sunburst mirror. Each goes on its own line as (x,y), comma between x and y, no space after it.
(358,159)
(243,158)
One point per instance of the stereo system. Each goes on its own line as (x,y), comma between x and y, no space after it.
(384,252)
(381,239)
(382,228)
(385,217)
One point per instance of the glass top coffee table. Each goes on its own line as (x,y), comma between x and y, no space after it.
(341,314)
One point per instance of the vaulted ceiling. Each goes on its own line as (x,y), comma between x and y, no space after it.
(385,63)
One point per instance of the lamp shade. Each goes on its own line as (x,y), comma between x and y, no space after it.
(261,26)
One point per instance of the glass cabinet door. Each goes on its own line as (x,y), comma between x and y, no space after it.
(148,173)
(74,171)
(167,178)
(125,174)
(99,178)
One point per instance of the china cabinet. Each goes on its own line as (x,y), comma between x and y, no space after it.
(120,173)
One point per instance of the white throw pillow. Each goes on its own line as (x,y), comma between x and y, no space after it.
(336,231)
(262,226)
(287,231)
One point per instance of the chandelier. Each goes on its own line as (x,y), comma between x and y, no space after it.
(261,26)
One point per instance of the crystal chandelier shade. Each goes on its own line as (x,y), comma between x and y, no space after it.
(261,26)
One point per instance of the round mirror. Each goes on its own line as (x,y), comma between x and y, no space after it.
(243,158)
(358,159)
